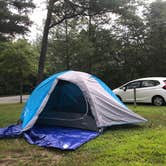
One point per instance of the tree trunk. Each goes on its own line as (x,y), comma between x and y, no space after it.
(44,42)
(21,90)
(67,46)
(90,39)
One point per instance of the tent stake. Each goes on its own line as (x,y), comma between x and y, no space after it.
(135,103)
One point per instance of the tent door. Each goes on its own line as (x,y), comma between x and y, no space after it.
(67,107)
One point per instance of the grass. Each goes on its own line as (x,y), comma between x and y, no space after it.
(143,145)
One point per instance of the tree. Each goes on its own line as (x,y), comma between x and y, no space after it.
(77,54)
(58,11)
(132,33)
(156,41)
(14,17)
(18,60)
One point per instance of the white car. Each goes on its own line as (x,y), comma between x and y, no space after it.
(148,90)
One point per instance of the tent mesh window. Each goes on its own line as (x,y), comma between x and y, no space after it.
(67,107)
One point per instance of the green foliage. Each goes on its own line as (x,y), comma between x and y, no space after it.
(138,145)
(79,51)
(88,46)
(18,63)
(14,17)
(108,38)
(61,11)
(156,41)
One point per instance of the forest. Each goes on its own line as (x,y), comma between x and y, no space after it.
(116,40)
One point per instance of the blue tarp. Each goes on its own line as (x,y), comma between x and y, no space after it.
(12,131)
(55,137)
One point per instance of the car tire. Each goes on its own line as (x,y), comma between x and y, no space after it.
(158,101)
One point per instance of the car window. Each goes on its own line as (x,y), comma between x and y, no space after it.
(133,85)
(149,83)
(123,87)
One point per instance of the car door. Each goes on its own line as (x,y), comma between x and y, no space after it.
(128,94)
(145,92)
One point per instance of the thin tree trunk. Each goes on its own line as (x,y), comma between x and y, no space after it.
(21,81)
(21,90)
(44,42)
(90,39)
(67,46)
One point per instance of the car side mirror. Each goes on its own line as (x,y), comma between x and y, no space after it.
(124,88)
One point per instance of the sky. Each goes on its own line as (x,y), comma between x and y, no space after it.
(38,16)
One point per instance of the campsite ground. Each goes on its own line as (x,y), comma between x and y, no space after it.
(142,145)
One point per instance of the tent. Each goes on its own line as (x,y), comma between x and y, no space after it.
(74,99)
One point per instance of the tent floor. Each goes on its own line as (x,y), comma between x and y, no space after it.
(63,119)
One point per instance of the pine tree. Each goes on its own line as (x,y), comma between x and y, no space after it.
(14,17)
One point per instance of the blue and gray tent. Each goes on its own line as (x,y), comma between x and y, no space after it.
(76,100)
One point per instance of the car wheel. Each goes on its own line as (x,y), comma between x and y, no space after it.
(157,101)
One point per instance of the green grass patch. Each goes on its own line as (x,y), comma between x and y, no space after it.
(133,145)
